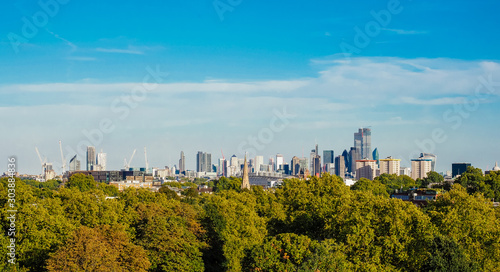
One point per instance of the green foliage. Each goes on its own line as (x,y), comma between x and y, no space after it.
(375,187)
(171,194)
(394,182)
(447,255)
(49,184)
(474,181)
(170,232)
(432,178)
(81,182)
(231,183)
(472,222)
(233,227)
(292,252)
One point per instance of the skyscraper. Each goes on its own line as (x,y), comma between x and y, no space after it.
(316,166)
(101,161)
(340,166)
(375,155)
(353,157)
(91,157)
(279,162)
(74,164)
(259,160)
(328,157)
(295,165)
(203,162)
(182,163)
(363,143)
(347,160)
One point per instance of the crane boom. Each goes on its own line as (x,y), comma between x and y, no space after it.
(146,159)
(39,157)
(62,158)
(127,165)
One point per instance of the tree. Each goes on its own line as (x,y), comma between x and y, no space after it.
(471,221)
(447,255)
(292,252)
(233,227)
(375,187)
(171,234)
(171,194)
(474,181)
(81,182)
(432,178)
(230,183)
(104,248)
(394,182)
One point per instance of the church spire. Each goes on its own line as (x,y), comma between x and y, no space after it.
(245,184)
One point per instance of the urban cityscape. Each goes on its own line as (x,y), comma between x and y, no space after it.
(359,161)
(252,136)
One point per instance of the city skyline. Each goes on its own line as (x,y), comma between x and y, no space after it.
(182,77)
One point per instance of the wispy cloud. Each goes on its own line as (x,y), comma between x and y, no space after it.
(120,51)
(405,32)
(432,101)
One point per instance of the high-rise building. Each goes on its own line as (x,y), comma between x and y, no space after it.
(363,143)
(431,157)
(272,164)
(74,164)
(101,161)
(375,156)
(91,157)
(295,166)
(347,161)
(303,166)
(340,166)
(420,167)
(203,162)
(259,160)
(366,169)
(328,157)
(182,163)
(353,157)
(279,162)
(390,166)
(316,166)
(458,168)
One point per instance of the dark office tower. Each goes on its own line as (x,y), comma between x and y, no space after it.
(295,169)
(353,156)
(363,143)
(347,161)
(316,166)
(74,164)
(91,158)
(375,156)
(182,163)
(328,157)
(340,166)
(458,168)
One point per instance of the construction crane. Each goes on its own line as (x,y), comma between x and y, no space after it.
(146,159)
(127,165)
(222,154)
(42,162)
(62,158)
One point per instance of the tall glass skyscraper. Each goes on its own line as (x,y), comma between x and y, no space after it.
(91,158)
(363,143)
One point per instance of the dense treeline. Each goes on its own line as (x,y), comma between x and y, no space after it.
(314,225)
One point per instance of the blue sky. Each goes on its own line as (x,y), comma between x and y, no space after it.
(228,76)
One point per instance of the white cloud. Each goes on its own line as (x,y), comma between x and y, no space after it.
(405,32)
(120,51)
